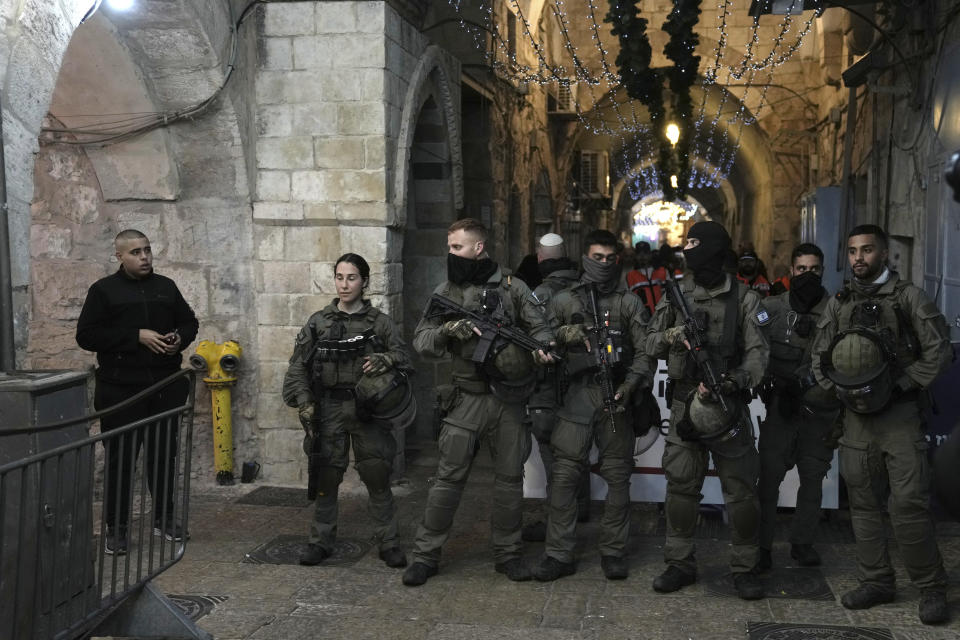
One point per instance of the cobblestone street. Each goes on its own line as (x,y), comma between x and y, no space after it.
(230,576)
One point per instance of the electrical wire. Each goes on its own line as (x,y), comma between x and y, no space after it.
(109,132)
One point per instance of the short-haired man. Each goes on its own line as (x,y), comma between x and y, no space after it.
(138,324)
(558,273)
(750,272)
(478,405)
(880,344)
(585,417)
(800,413)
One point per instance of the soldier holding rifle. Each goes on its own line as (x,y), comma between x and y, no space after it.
(708,328)
(492,377)
(602,329)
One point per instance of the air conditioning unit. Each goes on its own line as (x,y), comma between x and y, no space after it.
(595,173)
(563,100)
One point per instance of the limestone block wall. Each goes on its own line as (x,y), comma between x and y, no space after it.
(330,91)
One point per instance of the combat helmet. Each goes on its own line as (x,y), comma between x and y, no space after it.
(388,396)
(704,420)
(511,372)
(858,363)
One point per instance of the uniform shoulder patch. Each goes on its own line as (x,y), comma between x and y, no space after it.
(762,316)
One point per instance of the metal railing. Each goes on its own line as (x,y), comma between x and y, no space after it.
(64,564)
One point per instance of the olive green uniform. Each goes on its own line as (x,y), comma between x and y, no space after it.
(328,379)
(542,404)
(583,421)
(743,358)
(883,455)
(474,412)
(798,421)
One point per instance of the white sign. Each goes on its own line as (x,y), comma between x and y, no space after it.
(648,483)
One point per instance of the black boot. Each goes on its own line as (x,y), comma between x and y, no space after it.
(673,579)
(549,569)
(614,568)
(393,557)
(515,569)
(418,574)
(313,554)
(805,555)
(933,606)
(866,596)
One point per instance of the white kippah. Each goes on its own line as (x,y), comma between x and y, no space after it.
(550,240)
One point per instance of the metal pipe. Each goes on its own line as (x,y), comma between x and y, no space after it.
(7,352)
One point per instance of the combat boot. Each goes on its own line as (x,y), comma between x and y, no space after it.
(673,579)
(748,586)
(549,569)
(866,596)
(933,606)
(313,554)
(393,557)
(614,568)
(515,569)
(418,574)
(805,555)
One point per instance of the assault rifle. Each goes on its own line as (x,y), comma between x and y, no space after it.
(695,335)
(492,326)
(604,353)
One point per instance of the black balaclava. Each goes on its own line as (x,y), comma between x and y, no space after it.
(550,265)
(706,259)
(469,270)
(806,291)
(606,275)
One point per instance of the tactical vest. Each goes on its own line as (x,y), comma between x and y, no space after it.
(791,336)
(492,298)
(339,346)
(885,316)
(619,345)
(720,317)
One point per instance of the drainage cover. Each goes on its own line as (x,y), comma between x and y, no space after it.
(786,631)
(195,607)
(276,497)
(286,550)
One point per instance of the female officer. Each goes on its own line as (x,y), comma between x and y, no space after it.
(344,342)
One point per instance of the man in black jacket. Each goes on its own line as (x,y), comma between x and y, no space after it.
(138,323)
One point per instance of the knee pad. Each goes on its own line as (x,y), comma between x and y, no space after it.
(375,473)
(442,503)
(744,518)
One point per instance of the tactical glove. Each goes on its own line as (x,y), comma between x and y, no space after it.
(306,412)
(571,334)
(673,334)
(379,363)
(729,386)
(458,329)
(540,359)
(622,395)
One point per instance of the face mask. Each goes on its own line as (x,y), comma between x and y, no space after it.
(467,270)
(707,268)
(604,274)
(806,290)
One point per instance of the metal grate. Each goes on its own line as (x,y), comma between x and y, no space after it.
(787,631)
(286,550)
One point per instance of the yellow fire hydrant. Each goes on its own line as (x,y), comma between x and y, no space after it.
(220,361)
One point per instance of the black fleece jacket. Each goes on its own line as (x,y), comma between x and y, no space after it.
(115,310)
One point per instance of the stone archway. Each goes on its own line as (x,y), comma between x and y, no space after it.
(185,185)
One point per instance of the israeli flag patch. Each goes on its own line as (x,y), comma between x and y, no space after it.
(762,316)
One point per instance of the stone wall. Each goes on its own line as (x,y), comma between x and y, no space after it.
(332,92)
